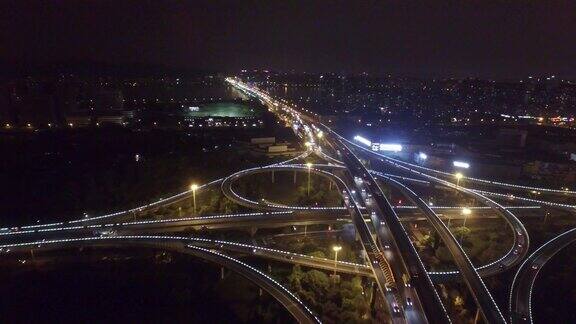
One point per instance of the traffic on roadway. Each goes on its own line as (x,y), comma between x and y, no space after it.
(404,284)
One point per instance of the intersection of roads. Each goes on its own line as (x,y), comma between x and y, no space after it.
(404,284)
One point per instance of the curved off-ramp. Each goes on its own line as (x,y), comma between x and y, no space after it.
(163,202)
(521,240)
(523,283)
(511,258)
(186,246)
(229,192)
(470,275)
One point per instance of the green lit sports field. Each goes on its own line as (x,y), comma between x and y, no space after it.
(224,109)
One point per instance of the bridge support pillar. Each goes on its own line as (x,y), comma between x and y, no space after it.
(294,177)
(222,273)
(272,176)
(372,296)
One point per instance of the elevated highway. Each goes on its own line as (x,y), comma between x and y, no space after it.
(420,300)
(228,182)
(480,292)
(131,213)
(521,241)
(393,261)
(523,283)
(185,245)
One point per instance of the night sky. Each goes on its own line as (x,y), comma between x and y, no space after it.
(487,39)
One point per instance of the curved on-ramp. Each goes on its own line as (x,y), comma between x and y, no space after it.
(478,289)
(380,268)
(179,244)
(521,238)
(265,205)
(519,249)
(499,184)
(512,257)
(523,283)
(163,202)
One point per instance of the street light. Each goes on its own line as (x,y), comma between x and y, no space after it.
(309,166)
(336,248)
(466,211)
(458,177)
(193,187)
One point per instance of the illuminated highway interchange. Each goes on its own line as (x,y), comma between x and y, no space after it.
(390,258)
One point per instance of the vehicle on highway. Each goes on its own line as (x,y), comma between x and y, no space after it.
(106,232)
(406,279)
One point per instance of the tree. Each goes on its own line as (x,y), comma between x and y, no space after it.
(317,254)
(462,232)
(443,254)
(458,301)
(316,281)
(227,206)
(427,241)
(295,278)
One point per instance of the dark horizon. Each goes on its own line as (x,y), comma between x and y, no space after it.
(443,40)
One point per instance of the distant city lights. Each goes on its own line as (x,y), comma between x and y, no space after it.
(460,164)
(362,140)
(379,146)
(386,147)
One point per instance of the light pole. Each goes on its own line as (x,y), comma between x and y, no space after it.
(193,187)
(336,248)
(465,211)
(309,165)
(458,177)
